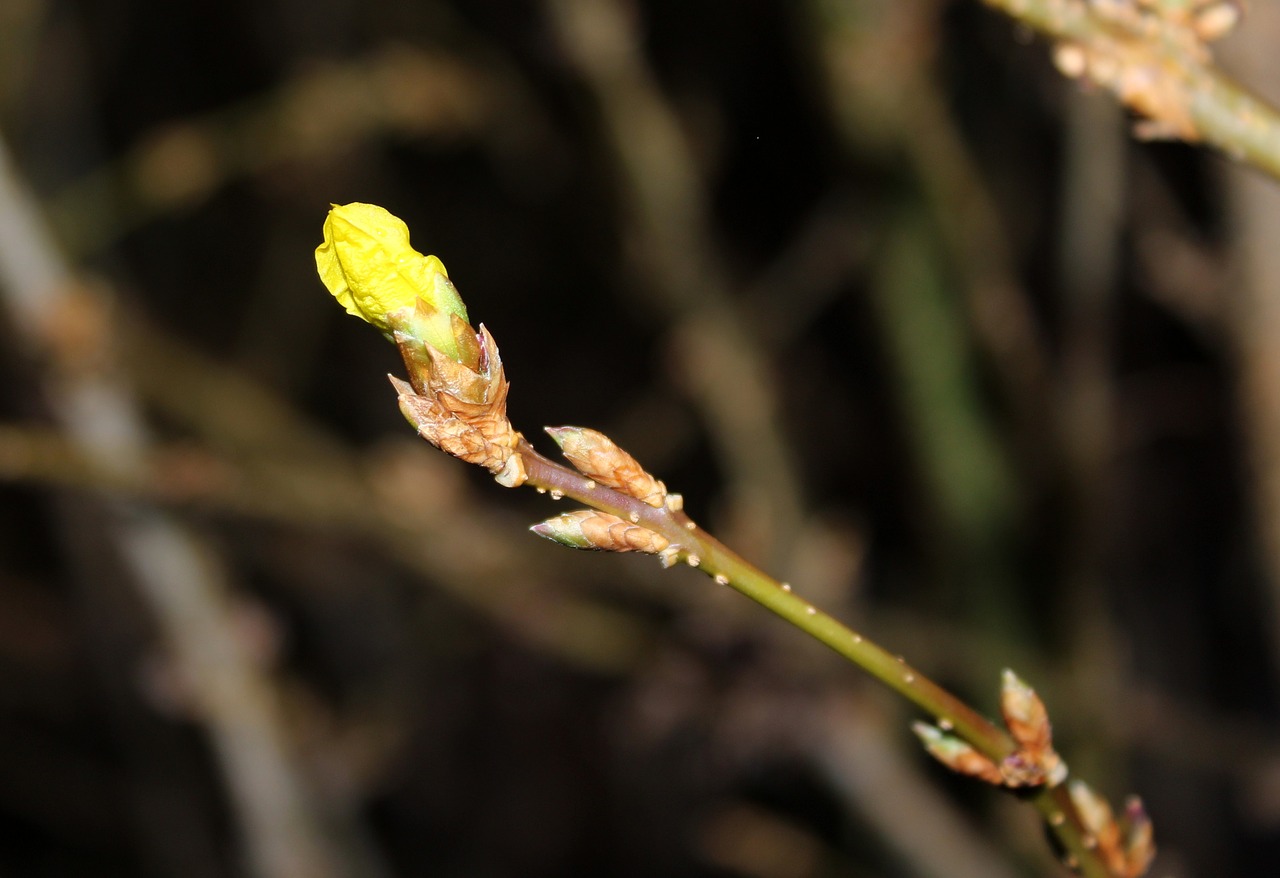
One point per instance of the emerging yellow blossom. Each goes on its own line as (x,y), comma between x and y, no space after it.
(369,267)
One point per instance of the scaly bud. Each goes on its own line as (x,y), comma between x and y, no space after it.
(1095,813)
(596,456)
(956,754)
(457,395)
(589,529)
(1214,20)
(1025,716)
(1140,844)
(369,267)
(1103,831)
(475,432)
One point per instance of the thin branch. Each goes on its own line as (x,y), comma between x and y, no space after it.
(175,573)
(456,398)
(699,549)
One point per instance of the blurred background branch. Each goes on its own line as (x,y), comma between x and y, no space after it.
(64,327)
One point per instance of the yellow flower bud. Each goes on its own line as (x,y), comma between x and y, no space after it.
(369,267)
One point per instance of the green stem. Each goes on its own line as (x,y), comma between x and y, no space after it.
(699,549)
(948,711)
(1227,116)
(1078,844)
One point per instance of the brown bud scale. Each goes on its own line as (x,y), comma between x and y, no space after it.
(1025,716)
(1098,818)
(463,412)
(590,529)
(596,456)
(1140,846)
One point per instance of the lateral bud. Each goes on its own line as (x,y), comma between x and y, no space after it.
(1100,822)
(956,754)
(600,531)
(1025,716)
(1214,20)
(596,456)
(1140,844)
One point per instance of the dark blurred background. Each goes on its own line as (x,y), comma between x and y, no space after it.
(909,319)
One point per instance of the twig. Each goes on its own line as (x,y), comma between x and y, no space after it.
(1253,314)
(1157,62)
(891,92)
(693,546)
(456,397)
(701,550)
(315,116)
(177,576)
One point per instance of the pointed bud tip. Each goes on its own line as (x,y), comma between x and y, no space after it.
(562,435)
(956,753)
(928,734)
(564,529)
(1022,706)
(1009,679)
(1135,811)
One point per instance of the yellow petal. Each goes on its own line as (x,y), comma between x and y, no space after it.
(370,268)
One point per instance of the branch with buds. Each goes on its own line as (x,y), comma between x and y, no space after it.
(1154,55)
(456,398)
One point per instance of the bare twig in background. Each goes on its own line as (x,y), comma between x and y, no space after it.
(1255,313)
(286,469)
(947,298)
(319,116)
(861,756)
(179,578)
(886,95)
(1093,200)
(666,205)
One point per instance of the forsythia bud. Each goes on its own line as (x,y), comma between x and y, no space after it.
(596,456)
(590,529)
(369,267)
(956,754)
(1025,716)
(457,393)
